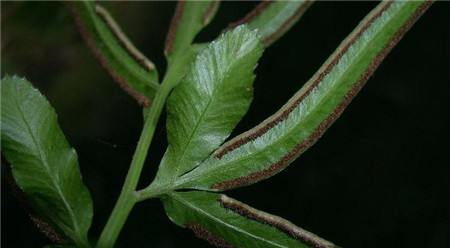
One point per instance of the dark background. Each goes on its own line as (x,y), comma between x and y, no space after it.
(379,177)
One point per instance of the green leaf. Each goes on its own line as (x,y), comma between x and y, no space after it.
(269,147)
(43,164)
(273,18)
(225,222)
(208,103)
(124,62)
(190,17)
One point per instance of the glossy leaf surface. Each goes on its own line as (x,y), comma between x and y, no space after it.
(43,164)
(189,19)
(274,18)
(127,65)
(208,103)
(225,222)
(271,146)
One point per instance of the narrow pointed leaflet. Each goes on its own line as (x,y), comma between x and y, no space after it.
(129,68)
(43,164)
(269,147)
(225,222)
(189,19)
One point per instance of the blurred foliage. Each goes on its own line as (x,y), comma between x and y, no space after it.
(377,178)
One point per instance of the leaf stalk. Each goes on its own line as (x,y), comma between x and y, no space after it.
(128,196)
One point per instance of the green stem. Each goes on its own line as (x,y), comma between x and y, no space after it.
(128,196)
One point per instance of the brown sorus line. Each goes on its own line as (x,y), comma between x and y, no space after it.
(260,8)
(47,230)
(208,236)
(139,97)
(123,41)
(284,161)
(250,16)
(174,26)
(43,226)
(273,121)
(288,23)
(268,219)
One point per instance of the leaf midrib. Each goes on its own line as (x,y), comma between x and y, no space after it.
(328,89)
(290,130)
(133,69)
(213,218)
(48,171)
(219,84)
(192,22)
